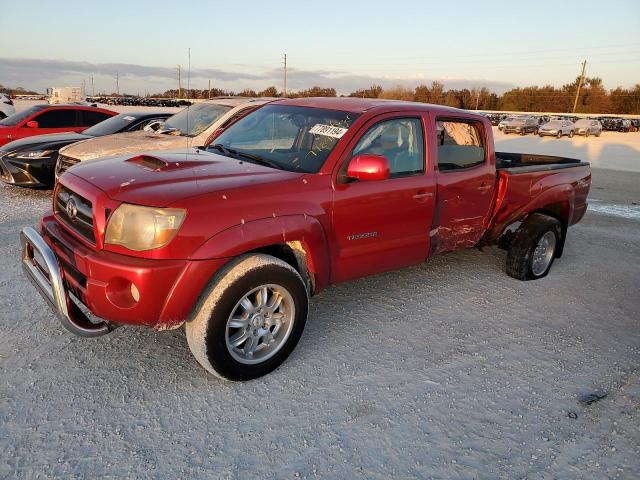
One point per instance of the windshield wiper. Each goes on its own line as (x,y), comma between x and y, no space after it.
(254,158)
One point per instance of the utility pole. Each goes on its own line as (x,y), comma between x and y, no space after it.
(93,91)
(575,102)
(478,101)
(117,84)
(284,90)
(209,94)
(179,83)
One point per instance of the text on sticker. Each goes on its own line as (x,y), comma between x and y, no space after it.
(327,130)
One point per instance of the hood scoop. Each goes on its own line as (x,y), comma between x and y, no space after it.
(156,164)
(149,162)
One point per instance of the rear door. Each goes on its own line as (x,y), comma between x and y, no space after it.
(383,225)
(465,179)
(88,118)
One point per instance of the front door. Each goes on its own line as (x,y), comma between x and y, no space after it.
(383,225)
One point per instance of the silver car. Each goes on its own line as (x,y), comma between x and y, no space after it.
(588,126)
(557,128)
(521,125)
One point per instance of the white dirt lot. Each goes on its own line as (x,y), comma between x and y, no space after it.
(450,369)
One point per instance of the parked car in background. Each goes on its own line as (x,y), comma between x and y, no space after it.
(195,126)
(299,195)
(521,125)
(505,121)
(6,106)
(635,124)
(588,126)
(31,161)
(42,119)
(557,128)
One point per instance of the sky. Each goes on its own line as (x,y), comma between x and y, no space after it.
(341,44)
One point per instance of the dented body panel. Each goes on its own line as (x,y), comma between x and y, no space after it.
(330,229)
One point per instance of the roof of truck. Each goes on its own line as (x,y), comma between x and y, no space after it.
(361,105)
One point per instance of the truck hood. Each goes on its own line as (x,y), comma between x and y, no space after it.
(124,143)
(161,180)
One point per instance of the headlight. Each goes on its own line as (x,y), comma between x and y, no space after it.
(32,154)
(143,228)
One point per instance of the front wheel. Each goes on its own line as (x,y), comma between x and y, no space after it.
(250,319)
(534,247)
(571,134)
(586,134)
(559,134)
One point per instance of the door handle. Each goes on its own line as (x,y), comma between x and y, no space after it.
(421,195)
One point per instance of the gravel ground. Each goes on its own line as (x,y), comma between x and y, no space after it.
(449,369)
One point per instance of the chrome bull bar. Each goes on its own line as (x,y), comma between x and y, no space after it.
(50,284)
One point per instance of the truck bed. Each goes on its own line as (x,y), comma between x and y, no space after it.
(530,183)
(515,163)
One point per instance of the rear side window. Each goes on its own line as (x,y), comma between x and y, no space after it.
(58,118)
(460,145)
(89,118)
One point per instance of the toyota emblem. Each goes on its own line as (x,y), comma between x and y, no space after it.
(72,209)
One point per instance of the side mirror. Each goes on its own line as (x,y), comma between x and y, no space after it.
(32,124)
(368,168)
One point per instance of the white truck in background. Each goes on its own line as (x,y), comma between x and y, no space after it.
(66,95)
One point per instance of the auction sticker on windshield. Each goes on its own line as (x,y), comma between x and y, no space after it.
(328,130)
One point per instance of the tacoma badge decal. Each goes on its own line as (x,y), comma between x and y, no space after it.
(359,236)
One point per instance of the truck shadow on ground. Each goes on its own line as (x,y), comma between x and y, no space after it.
(339,311)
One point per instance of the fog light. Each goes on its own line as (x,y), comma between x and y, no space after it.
(135,294)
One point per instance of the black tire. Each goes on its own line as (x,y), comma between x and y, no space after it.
(523,132)
(559,134)
(571,134)
(206,331)
(599,133)
(586,134)
(524,242)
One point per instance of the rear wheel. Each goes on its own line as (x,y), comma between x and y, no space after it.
(598,133)
(571,134)
(559,134)
(250,319)
(586,134)
(534,247)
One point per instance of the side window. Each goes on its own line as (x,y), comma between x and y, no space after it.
(400,141)
(89,118)
(144,123)
(460,145)
(58,118)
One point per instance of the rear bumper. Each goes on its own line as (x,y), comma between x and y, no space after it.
(102,281)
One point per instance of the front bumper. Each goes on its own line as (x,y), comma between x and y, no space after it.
(551,133)
(71,275)
(42,269)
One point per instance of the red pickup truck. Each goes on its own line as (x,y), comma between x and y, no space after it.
(296,196)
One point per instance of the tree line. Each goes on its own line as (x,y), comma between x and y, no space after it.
(593,97)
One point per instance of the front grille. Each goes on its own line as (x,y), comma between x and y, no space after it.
(75,212)
(64,163)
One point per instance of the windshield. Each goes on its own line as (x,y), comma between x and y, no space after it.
(291,138)
(554,123)
(111,125)
(16,118)
(583,123)
(195,119)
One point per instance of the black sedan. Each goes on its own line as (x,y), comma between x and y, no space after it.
(30,162)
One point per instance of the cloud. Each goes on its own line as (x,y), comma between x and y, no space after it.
(40,74)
